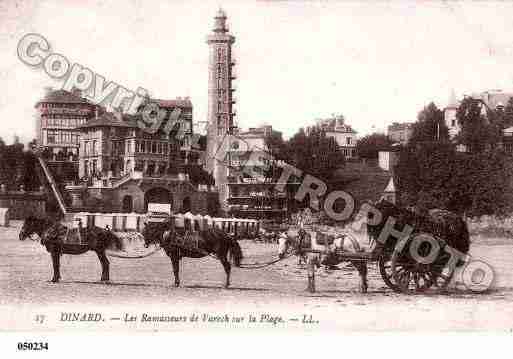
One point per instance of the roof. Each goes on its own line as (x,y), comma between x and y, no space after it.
(109,119)
(179,102)
(335,124)
(396,126)
(494,98)
(62,96)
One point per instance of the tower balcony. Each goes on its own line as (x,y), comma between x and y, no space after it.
(233,63)
(233,88)
(233,74)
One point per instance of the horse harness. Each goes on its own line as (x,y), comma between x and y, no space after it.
(189,241)
(64,235)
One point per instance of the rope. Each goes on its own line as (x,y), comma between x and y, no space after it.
(257,265)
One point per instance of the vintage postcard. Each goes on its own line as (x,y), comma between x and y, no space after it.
(298,166)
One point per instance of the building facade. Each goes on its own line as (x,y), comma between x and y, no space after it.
(120,165)
(492,99)
(127,166)
(343,133)
(400,132)
(251,187)
(59,113)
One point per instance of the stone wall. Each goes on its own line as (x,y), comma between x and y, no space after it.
(108,200)
(22,204)
(491,226)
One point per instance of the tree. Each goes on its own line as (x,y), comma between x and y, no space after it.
(437,176)
(480,130)
(368,147)
(277,147)
(315,153)
(508,113)
(430,126)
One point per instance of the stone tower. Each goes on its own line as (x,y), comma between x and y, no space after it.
(220,95)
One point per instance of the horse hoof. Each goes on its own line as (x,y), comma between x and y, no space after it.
(105,281)
(53,281)
(363,289)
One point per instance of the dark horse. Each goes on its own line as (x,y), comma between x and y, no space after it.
(52,235)
(177,243)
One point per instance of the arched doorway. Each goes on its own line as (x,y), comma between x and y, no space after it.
(186,205)
(157,195)
(128,204)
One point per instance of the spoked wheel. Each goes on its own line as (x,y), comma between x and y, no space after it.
(385,269)
(411,276)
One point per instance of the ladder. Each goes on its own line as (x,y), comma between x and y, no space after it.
(52,183)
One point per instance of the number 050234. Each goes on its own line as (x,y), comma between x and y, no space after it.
(33,346)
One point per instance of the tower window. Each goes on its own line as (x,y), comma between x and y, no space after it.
(453,123)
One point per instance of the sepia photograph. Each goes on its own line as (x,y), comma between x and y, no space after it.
(255,166)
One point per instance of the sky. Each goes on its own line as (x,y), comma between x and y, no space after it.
(375,62)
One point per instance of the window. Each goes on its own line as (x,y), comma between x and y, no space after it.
(150,170)
(348,140)
(453,123)
(51,136)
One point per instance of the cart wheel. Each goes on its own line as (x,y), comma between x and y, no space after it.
(385,269)
(412,277)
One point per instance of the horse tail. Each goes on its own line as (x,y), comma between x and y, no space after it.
(236,252)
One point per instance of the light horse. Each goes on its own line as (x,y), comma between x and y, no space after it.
(325,248)
(178,243)
(52,236)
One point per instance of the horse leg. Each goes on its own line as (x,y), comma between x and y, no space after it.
(310,270)
(104,261)
(361,266)
(56,259)
(227,270)
(175,261)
